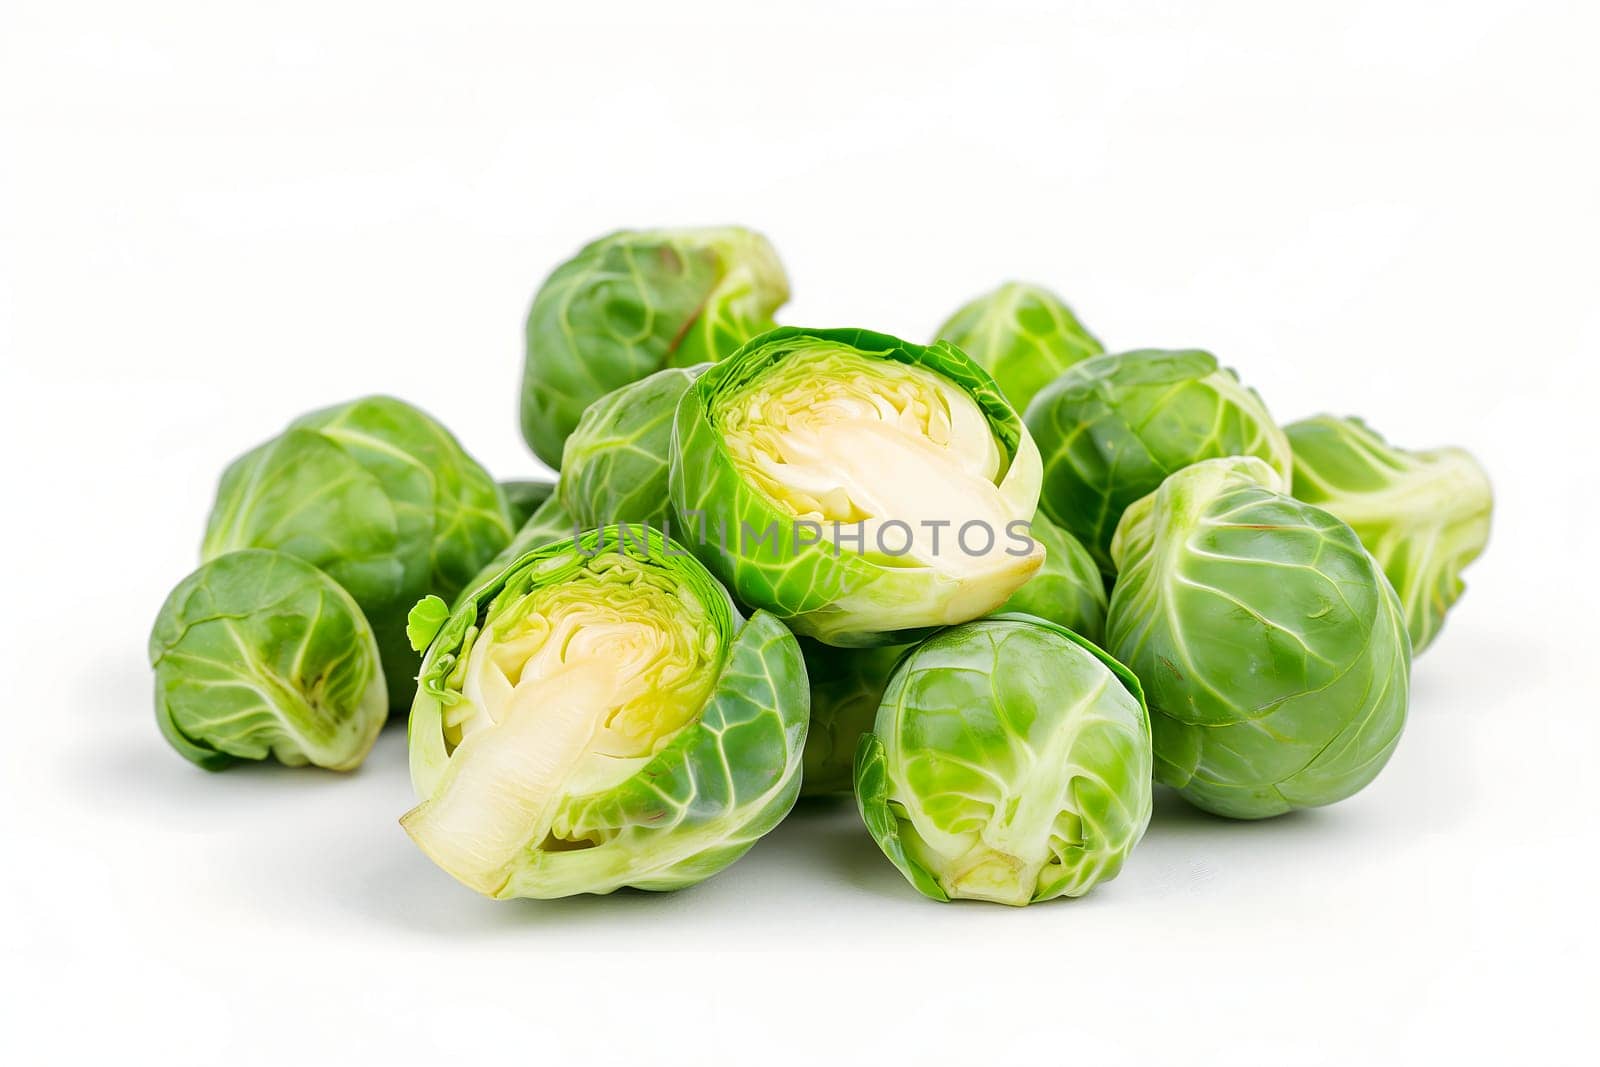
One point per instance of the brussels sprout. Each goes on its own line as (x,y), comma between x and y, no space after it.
(1010,761)
(632,303)
(380,497)
(858,487)
(614,468)
(1113,427)
(260,655)
(524,497)
(1271,647)
(1068,590)
(600,716)
(1423,515)
(1024,335)
(846,686)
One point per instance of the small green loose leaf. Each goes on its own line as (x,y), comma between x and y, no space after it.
(427,615)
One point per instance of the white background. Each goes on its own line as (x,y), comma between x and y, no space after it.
(216,216)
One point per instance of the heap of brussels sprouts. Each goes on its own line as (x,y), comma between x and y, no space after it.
(997,586)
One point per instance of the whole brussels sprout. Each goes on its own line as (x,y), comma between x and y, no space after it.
(636,301)
(377,495)
(1010,761)
(846,686)
(1113,427)
(601,716)
(614,467)
(1271,647)
(1024,335)
(523,498)
(259,655)
(859,487)
(1068,590)
(1423,515)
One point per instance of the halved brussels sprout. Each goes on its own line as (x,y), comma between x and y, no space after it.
(1068,590)
(632,303)
(1113,427)
(1423,515)
(380,497)
(614,467)
(846,686)
(259,655)
(600,716)
(1024,335)
(859,487)
(523,498)
(1010,761)
(1271,647)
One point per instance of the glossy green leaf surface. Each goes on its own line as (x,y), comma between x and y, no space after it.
(548,524)
(1423,515)
(847,685)
(523,498)
(633,302)
(1069,589)
(1272,649)
(1024,335)
(614,466)
(259,655)
(1112,427)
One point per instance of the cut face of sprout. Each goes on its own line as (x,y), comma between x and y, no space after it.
(567,691)
(834,436)
(875,489)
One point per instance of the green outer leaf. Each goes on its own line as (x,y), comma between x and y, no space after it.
(378,495)
(1068,590)
(1423,515)
(1271,646)
(700,803)
(1024,335)
(302,494)
(872,798)
(805,588)
(633,302)
(258,655)
(614,466)
(549,524)
(524,497)
(1110,825)
(1111,428)
(846,686)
